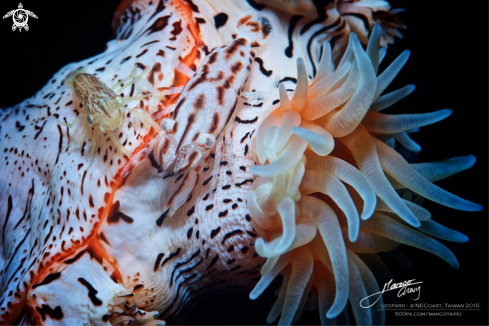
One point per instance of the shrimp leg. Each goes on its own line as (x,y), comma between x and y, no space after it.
(79,138)
(128,99)
(134,80)
(119,145)
(133,72)
(94,145)
(143,117)
(71,125)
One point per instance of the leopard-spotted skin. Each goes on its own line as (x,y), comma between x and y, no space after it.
(82,234)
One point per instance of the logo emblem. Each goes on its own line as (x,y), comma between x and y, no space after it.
(20,17)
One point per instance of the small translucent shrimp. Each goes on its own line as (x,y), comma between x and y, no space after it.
(103,107)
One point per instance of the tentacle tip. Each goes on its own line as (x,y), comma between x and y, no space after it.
(270,321)
(353,237)
(415,222)
(376,28)
(472,159)
(471,207)
(367,215)
(477,208)
(333,312)
(325,43)
(253,296)
(281,88)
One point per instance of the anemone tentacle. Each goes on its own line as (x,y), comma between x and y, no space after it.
(343,104)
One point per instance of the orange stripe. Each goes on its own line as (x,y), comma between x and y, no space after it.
(92,243)
(186,12)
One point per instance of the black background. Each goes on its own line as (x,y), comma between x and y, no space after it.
(448,65)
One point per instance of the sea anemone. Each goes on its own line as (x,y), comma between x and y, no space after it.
(341,107)
(126,240)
